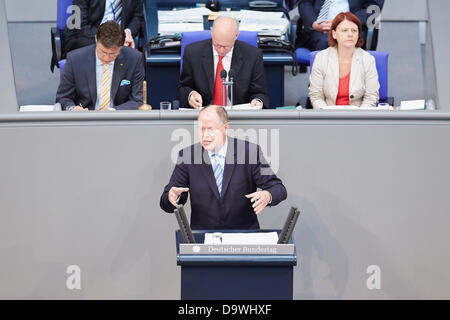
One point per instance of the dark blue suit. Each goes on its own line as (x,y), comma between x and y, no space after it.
(78,79)
(245,171)
(92,12)
(309,11)
(198,73)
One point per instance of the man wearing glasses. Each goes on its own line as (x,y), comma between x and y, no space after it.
(200,80)
(103,76)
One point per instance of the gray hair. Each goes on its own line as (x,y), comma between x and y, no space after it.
(221,113)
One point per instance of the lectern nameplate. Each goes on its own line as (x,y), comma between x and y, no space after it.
(236,249)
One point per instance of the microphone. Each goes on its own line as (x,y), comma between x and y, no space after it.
(231,75)
(223,74)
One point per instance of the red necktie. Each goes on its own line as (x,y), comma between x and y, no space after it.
(218,92)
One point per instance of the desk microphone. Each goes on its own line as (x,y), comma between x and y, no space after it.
(231,76)
(223,74)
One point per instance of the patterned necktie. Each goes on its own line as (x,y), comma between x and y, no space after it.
(218,88)
(118,11)
(105,94)
(218,171)
(323,14)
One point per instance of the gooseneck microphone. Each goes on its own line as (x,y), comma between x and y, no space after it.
(231,77)
(223,75)
(231,74)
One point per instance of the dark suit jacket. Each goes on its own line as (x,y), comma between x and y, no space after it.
(198,73)
(78,79)
(245,170)
(92,12)
(309,10)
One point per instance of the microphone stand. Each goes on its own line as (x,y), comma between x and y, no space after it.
(228,85)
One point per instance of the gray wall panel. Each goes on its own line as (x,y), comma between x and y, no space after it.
(31,10)
(405,10)
(32,51)
(405,60)
(372,192)
(8,102)
(439,24)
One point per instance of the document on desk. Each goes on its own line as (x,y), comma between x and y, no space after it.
(35,108)
(187,15)
(412,105)
(261,238)
(357,108)
(177,21)
(165,29)
(243,106)
(265,23)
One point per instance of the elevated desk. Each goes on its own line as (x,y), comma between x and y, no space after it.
(163,74)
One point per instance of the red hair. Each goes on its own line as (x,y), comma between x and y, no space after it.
(339,18)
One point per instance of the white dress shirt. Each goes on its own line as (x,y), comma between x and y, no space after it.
(222,152)
(226,61)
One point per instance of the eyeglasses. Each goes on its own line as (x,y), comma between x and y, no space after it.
(218,46)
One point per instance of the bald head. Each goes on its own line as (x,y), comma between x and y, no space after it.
(224,33)
(226,25)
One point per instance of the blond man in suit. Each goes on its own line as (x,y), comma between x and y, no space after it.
(344,74)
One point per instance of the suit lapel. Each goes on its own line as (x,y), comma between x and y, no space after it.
(334,72)
(355,71)
(230,164)
(117,75)
(102,6)
(208,67)
(92,76)
(237,59)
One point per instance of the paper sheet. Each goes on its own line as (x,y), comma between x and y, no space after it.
(412,105)
(187,15)
(33,108)
(244,106)
(357,108)
(241,238)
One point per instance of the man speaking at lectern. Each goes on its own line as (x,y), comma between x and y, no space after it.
(222,175)
(200,80)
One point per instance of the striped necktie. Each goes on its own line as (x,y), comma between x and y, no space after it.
(218,170)
(118,11)
(323,14)
(105,93)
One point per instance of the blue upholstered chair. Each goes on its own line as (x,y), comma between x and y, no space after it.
(187,38)
(381,61)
